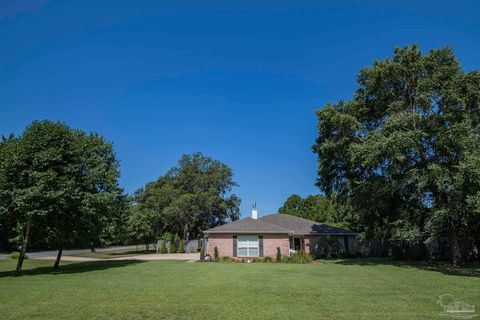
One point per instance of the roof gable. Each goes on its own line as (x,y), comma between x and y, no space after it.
(303,226)
(248,225)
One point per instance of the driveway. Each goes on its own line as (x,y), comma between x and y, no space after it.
(143,257)
(47,254)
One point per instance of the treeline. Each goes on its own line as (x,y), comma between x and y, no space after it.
(403,153)
(59,189)
(320,208)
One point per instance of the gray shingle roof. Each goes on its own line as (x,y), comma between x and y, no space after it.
(279,223)
(303,226)
(248,225)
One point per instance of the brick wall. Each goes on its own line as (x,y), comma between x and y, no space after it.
(224,243)
(272,241)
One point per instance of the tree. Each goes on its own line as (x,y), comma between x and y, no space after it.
(181,247)
(9,228)
(62,182)
(163,249)
(319,208)
(141,226)
(404,151)
(191,197)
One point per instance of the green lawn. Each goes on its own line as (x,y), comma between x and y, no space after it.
(342,289)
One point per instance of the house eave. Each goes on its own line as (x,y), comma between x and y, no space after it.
(247,232)
(329,234)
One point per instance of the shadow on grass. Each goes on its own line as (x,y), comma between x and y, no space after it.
(71,268)
(468,270)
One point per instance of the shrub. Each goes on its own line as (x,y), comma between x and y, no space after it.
(202,254)
(163,249)
(300,257)
(215,253)
(268,259)
(285,259)
(181,247)
(328,247)
(15,255)
(173,249)
(279,255)
(227,259)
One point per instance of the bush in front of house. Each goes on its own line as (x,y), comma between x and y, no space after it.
(15,255)
(299,257)
(215,254)
(329,248)
(279,255)
(202,254)
(227,259)
(173,249)
(181,247)
(163,249)
(268,259)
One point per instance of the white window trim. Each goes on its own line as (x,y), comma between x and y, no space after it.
(248,245)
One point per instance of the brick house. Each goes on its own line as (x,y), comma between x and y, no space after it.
(260,237)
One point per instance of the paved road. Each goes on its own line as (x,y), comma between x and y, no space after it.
(43,254)
(143,257)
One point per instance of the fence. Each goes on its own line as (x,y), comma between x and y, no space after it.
(191,246)
(438,249)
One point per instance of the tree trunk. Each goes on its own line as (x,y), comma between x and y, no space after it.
(24,247)
(57,261)
(477,245)
(454,246)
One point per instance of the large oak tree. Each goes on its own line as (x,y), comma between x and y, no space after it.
(190,198)
(404,151)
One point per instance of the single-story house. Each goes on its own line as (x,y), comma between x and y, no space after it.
(260,237)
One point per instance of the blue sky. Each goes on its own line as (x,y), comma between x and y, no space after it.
(238,82)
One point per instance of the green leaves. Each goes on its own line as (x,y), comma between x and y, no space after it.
(318,208)
(190,198)
(404,151)
(66,179)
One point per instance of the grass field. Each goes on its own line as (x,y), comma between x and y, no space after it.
(341,289)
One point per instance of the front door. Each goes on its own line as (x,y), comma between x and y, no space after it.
(297,244)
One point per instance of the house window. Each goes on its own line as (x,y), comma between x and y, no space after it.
(247,246)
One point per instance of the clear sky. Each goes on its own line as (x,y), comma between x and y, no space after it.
(238,82)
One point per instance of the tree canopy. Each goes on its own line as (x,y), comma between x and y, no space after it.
(62,181)
(191,197)
(404,150)
(319,208)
